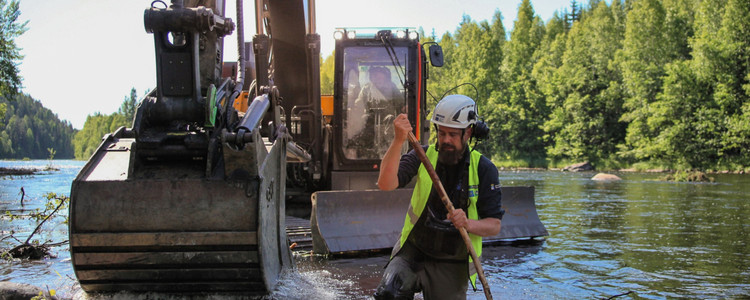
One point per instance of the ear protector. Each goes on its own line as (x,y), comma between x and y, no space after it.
(479,130)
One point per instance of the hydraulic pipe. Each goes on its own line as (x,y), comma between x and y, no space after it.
(240,53)
(255,113)
(311,17)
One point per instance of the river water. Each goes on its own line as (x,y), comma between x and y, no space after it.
(648,238)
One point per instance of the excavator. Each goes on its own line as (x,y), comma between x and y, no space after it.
(194,196)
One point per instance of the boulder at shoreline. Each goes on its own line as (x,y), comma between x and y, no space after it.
(21,291)
(584,166)
(17,171)
(605,177)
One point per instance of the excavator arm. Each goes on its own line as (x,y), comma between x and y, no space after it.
(191,198)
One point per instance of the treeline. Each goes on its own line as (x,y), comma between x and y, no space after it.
(97,125)
(661,82)
(644,83)
(29,130)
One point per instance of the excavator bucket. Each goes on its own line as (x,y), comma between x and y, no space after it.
(345,222)
(165,226)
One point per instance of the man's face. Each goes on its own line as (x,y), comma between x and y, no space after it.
(451,144)
(378,78)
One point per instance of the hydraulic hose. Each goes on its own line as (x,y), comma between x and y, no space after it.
(240,51)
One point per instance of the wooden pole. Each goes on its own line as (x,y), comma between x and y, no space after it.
(449,206)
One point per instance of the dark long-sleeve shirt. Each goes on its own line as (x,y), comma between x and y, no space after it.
(488,202)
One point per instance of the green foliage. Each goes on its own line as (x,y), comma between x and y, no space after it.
(698,116)
(645,84)
(10,80)
(97,125)
(29,129)
(586,91)
(128,106)
(326,74)
(688,176)
(518,108)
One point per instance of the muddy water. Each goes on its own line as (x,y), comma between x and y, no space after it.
(651,239)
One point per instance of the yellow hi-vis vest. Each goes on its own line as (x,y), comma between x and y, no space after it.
(421,193)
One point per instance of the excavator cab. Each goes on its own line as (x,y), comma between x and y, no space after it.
(379,75)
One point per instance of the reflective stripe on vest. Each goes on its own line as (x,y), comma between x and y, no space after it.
(422,193)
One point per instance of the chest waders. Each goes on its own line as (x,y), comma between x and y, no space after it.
(421,195)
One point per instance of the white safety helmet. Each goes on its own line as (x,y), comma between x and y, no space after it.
(455,111)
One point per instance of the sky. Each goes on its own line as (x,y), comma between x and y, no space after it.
(84,56)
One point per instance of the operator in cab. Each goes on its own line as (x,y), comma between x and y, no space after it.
(379,102)
(430,255)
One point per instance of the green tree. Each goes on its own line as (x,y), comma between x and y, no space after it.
(88,139)
(29,129)
(441,79)
(584,124)
(472,56)
(128,106)
(687,118)
(733,90)
(703,111)
(654,37)
(549,58)
(518,107)
(478,54)
(326,74)
(571,17)
(97,125)
(10,54)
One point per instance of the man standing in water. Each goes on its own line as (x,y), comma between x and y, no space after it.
(430,256)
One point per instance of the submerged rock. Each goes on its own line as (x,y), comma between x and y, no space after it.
(605,177)
(694,176)
(584,166)
(22,291)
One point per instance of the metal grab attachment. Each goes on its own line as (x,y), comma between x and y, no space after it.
(177,18)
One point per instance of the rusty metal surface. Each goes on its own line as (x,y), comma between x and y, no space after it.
(352,221)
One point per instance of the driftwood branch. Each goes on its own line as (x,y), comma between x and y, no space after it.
(62,202)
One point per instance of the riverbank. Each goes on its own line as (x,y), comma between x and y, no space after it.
(25,171)
(635,168)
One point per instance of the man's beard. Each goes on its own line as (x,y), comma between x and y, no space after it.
(449,155)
